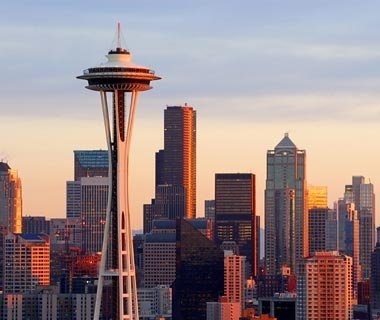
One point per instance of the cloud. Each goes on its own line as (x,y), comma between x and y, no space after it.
(305,108)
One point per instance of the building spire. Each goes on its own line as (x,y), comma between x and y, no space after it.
(285,142)
(118,43)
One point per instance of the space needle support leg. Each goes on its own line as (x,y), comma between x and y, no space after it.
(103,259)
(128,307)
(132,286)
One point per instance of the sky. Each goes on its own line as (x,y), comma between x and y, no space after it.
(253,70)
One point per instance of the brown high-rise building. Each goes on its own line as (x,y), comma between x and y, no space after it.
(175,181)
(179,163)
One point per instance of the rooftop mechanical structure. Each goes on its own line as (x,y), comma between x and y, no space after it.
(121,79)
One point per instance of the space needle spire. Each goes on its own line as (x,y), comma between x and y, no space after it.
(117,80)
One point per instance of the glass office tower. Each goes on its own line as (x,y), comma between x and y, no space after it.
(286,219)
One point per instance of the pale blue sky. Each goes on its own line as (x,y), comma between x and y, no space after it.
(252,70)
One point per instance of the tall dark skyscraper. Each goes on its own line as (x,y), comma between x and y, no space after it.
(199,273)
(322,230)
(235,214)
(286,219)
(179,158)
(175,191)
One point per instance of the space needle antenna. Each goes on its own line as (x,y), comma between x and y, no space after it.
(118,44)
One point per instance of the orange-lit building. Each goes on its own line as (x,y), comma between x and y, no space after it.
(10,199)
(317,196)
(26,262)
(179,161)
(328,286)
(234,278)
(175,181)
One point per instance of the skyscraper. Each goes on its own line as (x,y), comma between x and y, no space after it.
(348,238)
(234,278)
(362,195)
(199,273)
(328,286)
(169,203)
(179,156)
(235,214)
(94,195)
(87,164)
(10,208)
(286,225)
(87,196)
(322,230)
(10,199)
(175,190)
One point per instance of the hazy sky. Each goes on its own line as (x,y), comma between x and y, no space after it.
(252,70)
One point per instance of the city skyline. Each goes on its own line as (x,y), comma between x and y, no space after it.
(252,71)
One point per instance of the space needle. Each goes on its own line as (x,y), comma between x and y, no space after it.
(122,79)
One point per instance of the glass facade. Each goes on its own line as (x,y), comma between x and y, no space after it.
(199,273)
(286,219)
(179,155)
(235,214)
(90,163)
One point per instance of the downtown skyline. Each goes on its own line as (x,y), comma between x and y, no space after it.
(252,71)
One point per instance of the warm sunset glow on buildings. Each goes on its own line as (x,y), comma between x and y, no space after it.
(180,153)
(10,199)
(27,262)
(286,224)
(205,152)
(328,286)
(317,196)
(119,82)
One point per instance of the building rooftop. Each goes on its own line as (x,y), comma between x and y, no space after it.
(286,142)
(160,237)
(92,158)
(4,167)
(163,224)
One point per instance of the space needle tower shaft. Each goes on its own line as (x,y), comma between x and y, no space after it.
(122,80)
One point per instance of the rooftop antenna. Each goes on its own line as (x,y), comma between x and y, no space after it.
(118,44)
